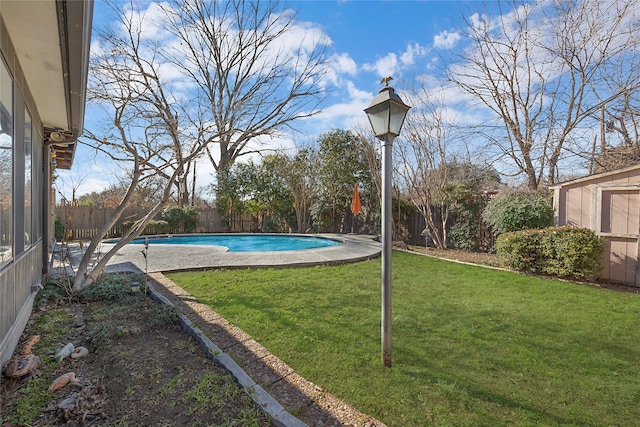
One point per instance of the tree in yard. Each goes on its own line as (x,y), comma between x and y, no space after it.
(140,128)
(300,174)
(178,78)
(544,70)
(229,193)
(619,135)
(254,71)
(263,192)
(468,200)
(423,157)
(341,165)
(368,147)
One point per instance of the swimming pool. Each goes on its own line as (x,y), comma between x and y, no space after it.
(244,242)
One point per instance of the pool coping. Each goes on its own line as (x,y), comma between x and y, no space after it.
(166,258)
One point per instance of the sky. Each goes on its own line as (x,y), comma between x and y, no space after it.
(368,40)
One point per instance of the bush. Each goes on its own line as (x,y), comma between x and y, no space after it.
(567,252)
(124,227)
(157,227)
(467,205)
(58,228)
(180,220)
(519,211)
(571,252)
(154,227)
(519,250)
(269,226)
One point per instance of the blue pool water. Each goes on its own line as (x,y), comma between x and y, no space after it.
(245,242)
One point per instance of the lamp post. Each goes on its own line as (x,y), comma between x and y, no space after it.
(386,114)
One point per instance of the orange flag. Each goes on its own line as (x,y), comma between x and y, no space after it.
(356,207)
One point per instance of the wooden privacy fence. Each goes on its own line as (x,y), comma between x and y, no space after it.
(416,224)
(83,222)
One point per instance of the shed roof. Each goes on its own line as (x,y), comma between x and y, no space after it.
(595,176)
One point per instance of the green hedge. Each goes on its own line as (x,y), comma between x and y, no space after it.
(519,211)
(174,220)
(154,227)
(567,252)
(58,228)
(180,220)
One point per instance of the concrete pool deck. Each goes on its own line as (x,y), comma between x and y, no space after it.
(165,258)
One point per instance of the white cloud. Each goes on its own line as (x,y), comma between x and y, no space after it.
(392,65)
(385,66)
(344,64)
(413,52)
(479,20)
(338,66)
(446,40)
(147,21)
(347,113)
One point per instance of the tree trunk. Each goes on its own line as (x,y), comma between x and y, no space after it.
(83,275)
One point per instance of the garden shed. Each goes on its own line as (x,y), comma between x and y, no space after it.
(609,204)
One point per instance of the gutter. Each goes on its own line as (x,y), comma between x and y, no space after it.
(75,43)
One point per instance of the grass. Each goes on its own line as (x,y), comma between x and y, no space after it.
(471,346)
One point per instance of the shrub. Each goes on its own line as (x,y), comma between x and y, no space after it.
(153,227)
(180,220)
(467,205)
(518,250)
(571,252)
(58,228)
(124,227)
(567,252)
(157,227)
(519,211)
(269,226)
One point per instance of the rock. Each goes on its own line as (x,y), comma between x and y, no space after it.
(400,245)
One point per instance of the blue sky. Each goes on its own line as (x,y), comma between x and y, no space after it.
(369,40)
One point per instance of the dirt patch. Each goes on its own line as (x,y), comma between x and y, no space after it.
(480,258)
(141,370)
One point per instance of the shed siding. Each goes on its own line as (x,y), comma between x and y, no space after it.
(622,266)
(575,206)
(608,204)
(620,212)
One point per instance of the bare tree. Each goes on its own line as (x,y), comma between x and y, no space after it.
(251,79)
(422,159)
(200,73)
(142,130)
(543,70)
(300,173)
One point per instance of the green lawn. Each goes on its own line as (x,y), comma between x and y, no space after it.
(471,346)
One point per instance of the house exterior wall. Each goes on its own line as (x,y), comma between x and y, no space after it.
(44,62)
(23,217)
(608,204)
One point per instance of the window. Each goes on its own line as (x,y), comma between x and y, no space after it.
(28,179)
(37,179)
(6,164)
